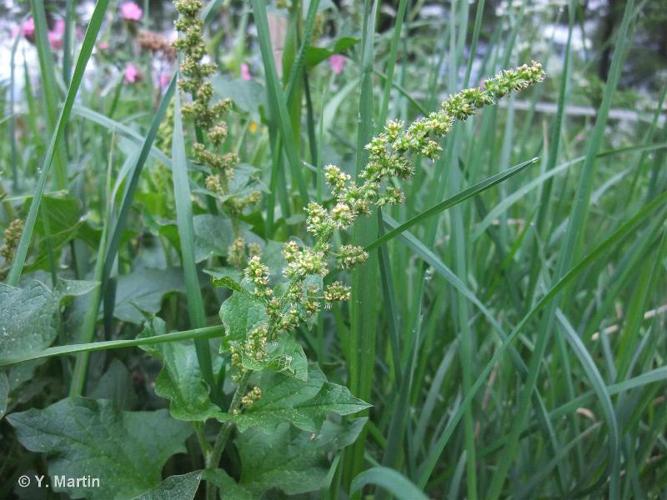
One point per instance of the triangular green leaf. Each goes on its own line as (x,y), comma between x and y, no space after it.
(183,487)
(226,278)
(29,318)
(305,404)
(142,291)
(213,235)
(293,461)
(284,355)
(239,313)
(180,380)
(88,438)
(315,55)
(75,288)
(116,385)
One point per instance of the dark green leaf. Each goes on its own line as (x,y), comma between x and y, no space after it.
(142,291)
(284,355)
(393,481)
(183,487)
(64,219)
(116,385)
(180,380)
(28,318)
(229,489)
(305,404)
(247,96)
(75,288)
(293,461)
(239,313)
(226,278)
(213,235)
(315,55)
(82,437)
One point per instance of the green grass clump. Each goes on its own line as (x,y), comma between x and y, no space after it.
(325,253)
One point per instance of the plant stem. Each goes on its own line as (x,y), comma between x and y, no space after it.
(213,458)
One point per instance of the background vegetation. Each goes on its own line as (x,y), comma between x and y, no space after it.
(507,329)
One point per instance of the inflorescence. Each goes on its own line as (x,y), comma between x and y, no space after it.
(390,152)
(207,115)
(12,236)
(390,156)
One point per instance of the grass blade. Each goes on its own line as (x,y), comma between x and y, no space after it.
(133,181)
(277,100)
(567,255)
(389,479)
(363,312)
(427,467)
(114,126)
(450,202)
(86,50)
(208,332)
(182,197)
(49,87)
(600,390)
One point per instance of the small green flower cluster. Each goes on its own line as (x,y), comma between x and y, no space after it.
(239,250)
(249,399)
(390,156)
(390,152)
(195,80)
(166,130)
(12,235)
(208,117)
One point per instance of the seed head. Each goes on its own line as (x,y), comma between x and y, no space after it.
(12,236)
(337,292)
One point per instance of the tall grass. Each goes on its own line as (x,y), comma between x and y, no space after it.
(507,327)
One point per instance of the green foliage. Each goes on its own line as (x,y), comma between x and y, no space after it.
(125,450)
(4,393)
(180,381)
(29,318)
(30,315)
(316,55)
(60,220)
(389,480)
(303,403)
(212,236)
(291,460)
(140,293)
(240,313)
(477,266)
(229,488)
(247,96)
(182,487)
(283,355)
(116,385)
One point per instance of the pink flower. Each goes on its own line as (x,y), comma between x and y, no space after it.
(163,80)
(57,34)
(103,46)
(55,40)
(337,63)
(28,28)
(131,73)
(59,27)
(130,11)
(245,72)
